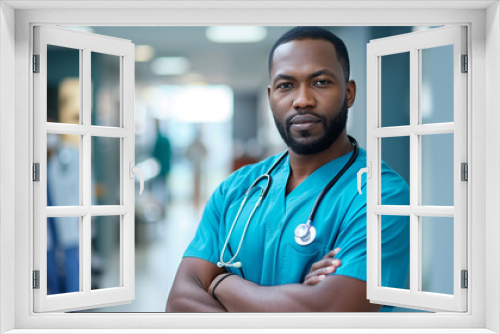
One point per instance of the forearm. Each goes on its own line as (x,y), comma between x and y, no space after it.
(239,295)
(334,294)
(189,291)
(191,296)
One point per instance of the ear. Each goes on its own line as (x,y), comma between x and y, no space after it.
(350,93)
(269,93)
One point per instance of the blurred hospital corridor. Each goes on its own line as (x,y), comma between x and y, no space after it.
(158,250)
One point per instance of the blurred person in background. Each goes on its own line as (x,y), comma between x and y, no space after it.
(162,152)
(63,183)
(196,153)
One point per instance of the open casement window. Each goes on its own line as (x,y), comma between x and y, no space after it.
(431,141)
(74,134)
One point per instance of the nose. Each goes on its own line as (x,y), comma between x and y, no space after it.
(304,98)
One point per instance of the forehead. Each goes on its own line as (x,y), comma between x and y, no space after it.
(308,53)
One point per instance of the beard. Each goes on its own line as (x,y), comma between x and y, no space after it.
(332,131)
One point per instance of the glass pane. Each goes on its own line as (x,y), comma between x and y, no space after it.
(437,254)
(105,89)
(105,252)
(437,169)
(63,85)
(105,171)
(395,89)
(395,158)
(395,251)
(63,170)
(63,255)
(437,84)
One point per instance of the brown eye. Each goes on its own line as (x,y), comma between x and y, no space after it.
(323,82)
(284,85)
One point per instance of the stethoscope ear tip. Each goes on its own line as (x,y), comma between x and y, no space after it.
(234,265)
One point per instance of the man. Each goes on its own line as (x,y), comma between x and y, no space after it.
(309,94)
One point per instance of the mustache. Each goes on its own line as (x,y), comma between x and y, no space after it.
(289,119)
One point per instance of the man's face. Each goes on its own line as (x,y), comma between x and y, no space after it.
(309,95)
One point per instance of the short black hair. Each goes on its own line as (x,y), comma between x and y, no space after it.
(300,33)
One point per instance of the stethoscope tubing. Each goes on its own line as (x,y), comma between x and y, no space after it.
(262,196)
(334,180)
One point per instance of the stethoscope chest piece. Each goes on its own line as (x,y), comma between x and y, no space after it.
(304,234)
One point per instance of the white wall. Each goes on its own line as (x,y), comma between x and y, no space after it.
(7,283)
(492,161)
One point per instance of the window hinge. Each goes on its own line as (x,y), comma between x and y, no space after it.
(36,63)
(36,172)
(36,279)
(465,279)
(464,171)
(465,64)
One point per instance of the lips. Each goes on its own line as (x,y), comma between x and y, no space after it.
(304,122)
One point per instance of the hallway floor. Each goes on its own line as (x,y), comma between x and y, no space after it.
(158,253)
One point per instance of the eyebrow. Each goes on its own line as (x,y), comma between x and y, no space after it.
(313,75)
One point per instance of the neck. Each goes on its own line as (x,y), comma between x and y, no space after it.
(301,166)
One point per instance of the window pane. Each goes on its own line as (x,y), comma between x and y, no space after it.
(437,169)
(437,254)
(395,156)
(63,255)
(63,170)
(105,252)
(395,89)
(395,251)
(437,85)
(63,85)
(106,171)
(106,89)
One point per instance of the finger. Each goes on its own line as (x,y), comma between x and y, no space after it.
(314,280)
(319,273)
(330,269)
(325,262)
(332,253)
(321,264)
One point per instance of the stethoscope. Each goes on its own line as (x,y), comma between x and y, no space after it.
(304,233)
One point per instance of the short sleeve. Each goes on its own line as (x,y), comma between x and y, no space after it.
(352,241)
(211,233)
(205,244)
(395,237)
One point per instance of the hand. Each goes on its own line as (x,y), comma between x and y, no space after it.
(327,265)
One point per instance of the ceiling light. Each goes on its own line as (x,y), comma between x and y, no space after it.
(231,34)
(144,53)
(170,66)
(202,104)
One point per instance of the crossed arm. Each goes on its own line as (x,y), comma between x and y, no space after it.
(195,279)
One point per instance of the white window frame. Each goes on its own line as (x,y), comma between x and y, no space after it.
(414,43)
(85,43)
(483,21)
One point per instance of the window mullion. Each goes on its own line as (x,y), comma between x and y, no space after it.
(86,163)
(415,235)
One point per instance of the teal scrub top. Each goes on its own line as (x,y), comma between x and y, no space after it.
(269,254)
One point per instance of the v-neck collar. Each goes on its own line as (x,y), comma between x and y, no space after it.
(314,183)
